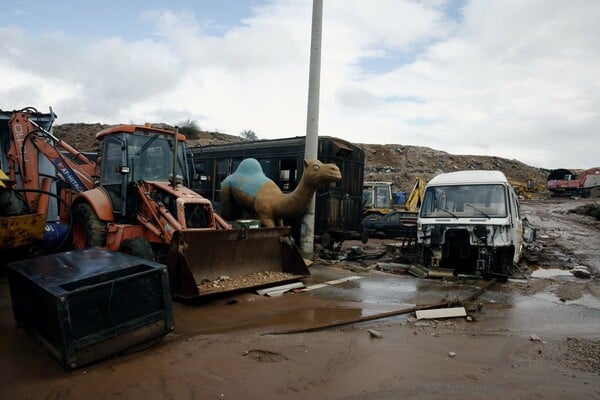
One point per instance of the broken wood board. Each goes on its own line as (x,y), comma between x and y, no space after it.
(418,271)
(438,313)
(394,268)
(330,283)
(275,291)
(440,273)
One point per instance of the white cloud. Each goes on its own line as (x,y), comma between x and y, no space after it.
(513,79)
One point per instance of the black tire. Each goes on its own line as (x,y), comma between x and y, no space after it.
(326,241)
(137,247)
(88,230)
(364,237)
(427,255)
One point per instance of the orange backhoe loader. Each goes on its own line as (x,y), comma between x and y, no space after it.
(137,201)
(43,174)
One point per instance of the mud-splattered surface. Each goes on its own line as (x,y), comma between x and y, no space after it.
(536,338)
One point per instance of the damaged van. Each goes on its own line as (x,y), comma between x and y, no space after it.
(470,222)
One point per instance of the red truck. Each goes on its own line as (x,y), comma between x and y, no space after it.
(562,182)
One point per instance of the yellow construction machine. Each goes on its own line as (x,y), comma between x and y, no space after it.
(413,202)
(377,199)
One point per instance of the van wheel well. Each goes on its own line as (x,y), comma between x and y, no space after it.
(380,234)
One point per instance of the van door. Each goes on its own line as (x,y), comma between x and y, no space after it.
(516,224)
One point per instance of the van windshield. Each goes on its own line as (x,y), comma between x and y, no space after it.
(464,201)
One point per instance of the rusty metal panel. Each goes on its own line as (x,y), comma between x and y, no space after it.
(21,230)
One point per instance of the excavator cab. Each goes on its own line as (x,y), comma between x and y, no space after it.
(130,157)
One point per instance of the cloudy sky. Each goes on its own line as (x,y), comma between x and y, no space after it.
(519,79)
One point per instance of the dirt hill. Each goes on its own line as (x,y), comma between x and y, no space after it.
(83,136)
(402,164)
(395,163)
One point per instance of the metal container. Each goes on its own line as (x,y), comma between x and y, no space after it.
(248,223)
(86,305)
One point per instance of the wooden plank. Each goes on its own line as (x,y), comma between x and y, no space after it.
(437,313)
(330,283)
(279,290)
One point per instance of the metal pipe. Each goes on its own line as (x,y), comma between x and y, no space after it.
(312,123)
(174,179)
(444,303)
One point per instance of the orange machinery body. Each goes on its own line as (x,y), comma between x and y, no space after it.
(29,141)
(153,221)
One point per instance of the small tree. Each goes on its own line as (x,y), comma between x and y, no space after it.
(190,129)
(249,135)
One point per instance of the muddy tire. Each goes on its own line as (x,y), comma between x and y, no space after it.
(137,247)
(326,241)
(88,230)
(364,237)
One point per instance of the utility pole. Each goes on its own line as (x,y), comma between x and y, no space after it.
(307,234)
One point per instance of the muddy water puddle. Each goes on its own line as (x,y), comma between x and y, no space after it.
(551,273)
(545,313)
(396,290)
(522,306)
(542,311)
(306,318)
(586,300)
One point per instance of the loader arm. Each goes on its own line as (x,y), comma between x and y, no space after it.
(416,196)
(154,215)
(29,140)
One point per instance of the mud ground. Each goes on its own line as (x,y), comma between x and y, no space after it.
(530,338)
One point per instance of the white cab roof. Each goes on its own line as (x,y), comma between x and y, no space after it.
(468,177)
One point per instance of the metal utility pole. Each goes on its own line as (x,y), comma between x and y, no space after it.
(307,235)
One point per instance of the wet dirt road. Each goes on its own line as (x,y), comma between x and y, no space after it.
(223,349)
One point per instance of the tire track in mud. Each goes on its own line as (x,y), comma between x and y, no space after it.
(564,239)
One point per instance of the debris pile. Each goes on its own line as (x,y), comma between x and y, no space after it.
(227,283)
(591,209)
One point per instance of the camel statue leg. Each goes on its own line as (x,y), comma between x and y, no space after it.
(268,222)
(226,204)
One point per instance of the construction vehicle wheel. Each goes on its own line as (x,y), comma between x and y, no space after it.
(88,230)
(364,237)
(137,247)
(326,241)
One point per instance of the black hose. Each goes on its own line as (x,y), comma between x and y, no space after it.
(56,178)
(64,203)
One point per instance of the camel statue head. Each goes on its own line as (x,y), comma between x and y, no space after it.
(316,173)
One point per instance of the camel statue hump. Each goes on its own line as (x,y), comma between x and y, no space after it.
(248,177)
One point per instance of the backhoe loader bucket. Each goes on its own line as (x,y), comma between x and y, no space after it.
(212,263)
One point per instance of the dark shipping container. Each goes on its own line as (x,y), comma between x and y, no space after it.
(338,208)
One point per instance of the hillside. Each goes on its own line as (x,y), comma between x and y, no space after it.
(402,164)
(83,136)
(391,162)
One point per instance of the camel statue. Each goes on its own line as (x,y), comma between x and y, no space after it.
(251,190)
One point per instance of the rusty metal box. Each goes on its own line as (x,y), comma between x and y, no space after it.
(86,305)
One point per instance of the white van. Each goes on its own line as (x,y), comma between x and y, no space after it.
(470,221)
